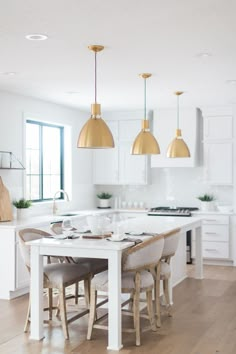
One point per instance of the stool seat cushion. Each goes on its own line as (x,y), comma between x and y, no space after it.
(94,265)
(100,281)
(57,274)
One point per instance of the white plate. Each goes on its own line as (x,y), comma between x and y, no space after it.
(115,239)
(59,237)
(134,233)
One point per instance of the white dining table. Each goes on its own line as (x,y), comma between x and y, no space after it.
(101,248)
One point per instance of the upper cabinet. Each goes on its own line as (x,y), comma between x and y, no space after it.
(164,126)
(218,147)
(118,166)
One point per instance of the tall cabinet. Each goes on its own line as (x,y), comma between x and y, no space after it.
(218,147)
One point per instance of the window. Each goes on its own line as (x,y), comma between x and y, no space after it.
(44,160)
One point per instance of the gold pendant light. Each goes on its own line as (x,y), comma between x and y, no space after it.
(95,134)
(178,147)
(145,143)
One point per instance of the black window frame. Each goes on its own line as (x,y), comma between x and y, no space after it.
(61,129)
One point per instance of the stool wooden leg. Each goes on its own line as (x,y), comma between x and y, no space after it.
(62,299)
(27,321)
(92,312)
(50,302)
(157,297)
(150,310)
(76,292)
(167,297)
(86,292)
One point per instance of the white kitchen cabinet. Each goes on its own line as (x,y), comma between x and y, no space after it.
(118,166)
(218,127)
(164,127)
(218,148)
(218,163)
(215,237)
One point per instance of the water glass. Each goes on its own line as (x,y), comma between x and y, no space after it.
(67,228)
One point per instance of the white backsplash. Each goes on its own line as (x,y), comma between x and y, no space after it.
(171,187)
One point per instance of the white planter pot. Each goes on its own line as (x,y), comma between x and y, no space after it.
(22,213)
(207,206)
(104,203)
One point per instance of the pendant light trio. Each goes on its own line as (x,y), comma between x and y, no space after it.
(95,134)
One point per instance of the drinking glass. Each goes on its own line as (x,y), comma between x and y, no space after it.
(67,228)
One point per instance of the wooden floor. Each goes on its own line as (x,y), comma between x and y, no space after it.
(204,322)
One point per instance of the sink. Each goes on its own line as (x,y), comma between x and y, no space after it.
(69,214)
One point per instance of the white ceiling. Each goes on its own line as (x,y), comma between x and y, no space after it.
(163,37)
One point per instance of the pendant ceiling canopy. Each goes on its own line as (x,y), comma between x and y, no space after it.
(145,143)
(95,134)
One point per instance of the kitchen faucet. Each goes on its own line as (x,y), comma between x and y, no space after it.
(55,208)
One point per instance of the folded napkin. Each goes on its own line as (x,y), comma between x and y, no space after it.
(128,239)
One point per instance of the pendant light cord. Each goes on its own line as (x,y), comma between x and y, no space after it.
(145,103)
(95,79)
(177,112)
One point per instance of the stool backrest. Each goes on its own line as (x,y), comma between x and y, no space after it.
(26,235)
(144,255)
(171,241)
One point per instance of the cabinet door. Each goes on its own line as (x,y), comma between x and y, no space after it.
(105,161)
(22,274)
(132,168)
(218,128)
(219,163)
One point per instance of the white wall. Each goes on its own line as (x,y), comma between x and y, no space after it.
(12,110)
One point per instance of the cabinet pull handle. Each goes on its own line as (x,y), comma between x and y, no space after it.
(211,250)
(207,220)
(210,233)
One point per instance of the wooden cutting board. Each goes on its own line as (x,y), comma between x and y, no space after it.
(5,203)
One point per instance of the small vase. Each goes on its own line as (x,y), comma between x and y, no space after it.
(207,206)
(104,203)
(22,213)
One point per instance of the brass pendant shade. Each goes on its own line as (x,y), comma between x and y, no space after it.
(145,143)
(95,133)
(178,147)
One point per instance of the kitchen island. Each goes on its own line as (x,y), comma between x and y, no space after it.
(112,251)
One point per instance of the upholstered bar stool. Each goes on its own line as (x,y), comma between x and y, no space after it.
(94,265)
(56,276)
(137,262)
(171,240)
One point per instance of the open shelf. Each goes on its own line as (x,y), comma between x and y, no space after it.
(8,161)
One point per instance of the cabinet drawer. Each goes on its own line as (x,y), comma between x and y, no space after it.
(215,250)
(215,219)
(215,233)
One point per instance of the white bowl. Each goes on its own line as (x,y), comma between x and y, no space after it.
(225,208)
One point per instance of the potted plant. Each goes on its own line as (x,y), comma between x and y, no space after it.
(104,200)
(207,202)
(22,206)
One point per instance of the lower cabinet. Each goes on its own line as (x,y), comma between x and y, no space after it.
(215,237)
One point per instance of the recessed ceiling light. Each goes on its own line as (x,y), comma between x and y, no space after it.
(231,82)
(203,55)
(8,73)
(36,37)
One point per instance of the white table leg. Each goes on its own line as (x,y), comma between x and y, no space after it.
(114,308)
(170,284)
(36,292)
(199,262)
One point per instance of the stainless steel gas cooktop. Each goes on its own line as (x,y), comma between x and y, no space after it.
(170,211)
